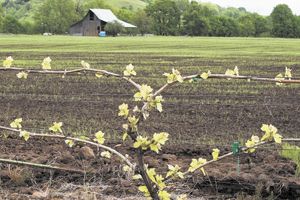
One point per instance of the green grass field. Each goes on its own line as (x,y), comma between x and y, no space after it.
(206,109)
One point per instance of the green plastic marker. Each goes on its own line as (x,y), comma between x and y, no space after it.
(235,148)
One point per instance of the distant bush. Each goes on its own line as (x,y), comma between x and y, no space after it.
(114,28)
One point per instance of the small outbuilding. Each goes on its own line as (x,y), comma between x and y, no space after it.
(94,22)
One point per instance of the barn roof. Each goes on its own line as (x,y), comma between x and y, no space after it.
(109,17)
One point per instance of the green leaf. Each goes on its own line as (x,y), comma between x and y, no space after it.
(105,154)
(25,135)
(70,143)
(23,75)
(99,137)
(129,70)
(46,64)
(215,154)
(7,63)
(56,127)
(123,110)
(16,123)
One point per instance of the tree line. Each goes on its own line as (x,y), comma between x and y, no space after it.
(159,17)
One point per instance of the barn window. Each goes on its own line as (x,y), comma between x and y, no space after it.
(91,16)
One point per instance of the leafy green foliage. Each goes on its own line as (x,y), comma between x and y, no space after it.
(284,22)
(114,28)
(195,23)
(165,15)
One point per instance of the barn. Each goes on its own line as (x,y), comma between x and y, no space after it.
(94,22)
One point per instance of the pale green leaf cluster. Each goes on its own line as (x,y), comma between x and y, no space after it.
(98,75)
(158,181)
(7,63)
(251,143)
(127,169)
(56,127)
(158,140)
(23,75)
(85,65)
(99,137)
(157,103)
(25,135)
(174,76)
(196,164)
(70,143)
(123,110)
(288,73)
(46,64)
(174,171)
(154,144)
(279,77)
(129,71)
(234,72)
(16,123)
(133,121)
(205,75)
(144,94)
(271,133)
(106,154)
(142,142)
(215,154)
(182,197)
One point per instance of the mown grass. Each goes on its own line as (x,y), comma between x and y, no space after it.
(292,152)
(183,46)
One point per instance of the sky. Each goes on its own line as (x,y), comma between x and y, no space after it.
(263,7)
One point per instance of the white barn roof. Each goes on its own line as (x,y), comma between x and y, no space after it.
(109,17)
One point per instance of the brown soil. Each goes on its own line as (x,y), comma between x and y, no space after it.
(198,118)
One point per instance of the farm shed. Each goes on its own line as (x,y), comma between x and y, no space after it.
(94,22)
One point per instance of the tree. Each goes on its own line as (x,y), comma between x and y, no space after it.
(224,26)
(113,28)
(262,25)
(298,26)
(247,25)
(194,23)
(125,14)
(12,25)
(142,21)
(165,15)
(1,18)
(56,16)
(95,4)
(284,22)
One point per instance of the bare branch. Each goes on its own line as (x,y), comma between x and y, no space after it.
(243,149)
(62,137)
(17,162)
(73,71)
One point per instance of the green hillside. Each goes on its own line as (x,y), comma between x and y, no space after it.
(25,9)
(135,4)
